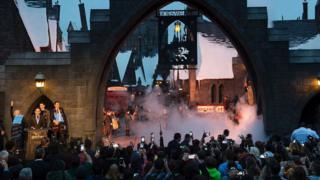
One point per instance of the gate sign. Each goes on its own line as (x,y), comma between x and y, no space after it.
(210,108)
(183,48)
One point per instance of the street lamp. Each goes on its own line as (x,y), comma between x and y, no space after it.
(40,80)
(177,27)
(318,81)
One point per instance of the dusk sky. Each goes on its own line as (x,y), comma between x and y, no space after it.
(289,9)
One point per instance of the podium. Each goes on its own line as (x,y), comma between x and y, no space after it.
(33,139)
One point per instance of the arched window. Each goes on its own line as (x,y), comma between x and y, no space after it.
(221,93)
(213,94)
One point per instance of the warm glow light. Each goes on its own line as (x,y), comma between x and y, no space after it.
(318,81)
(39,84)
(117,88)
(210,108)
(40,80)
(177,27)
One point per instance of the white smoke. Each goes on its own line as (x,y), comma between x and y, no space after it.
(177,118)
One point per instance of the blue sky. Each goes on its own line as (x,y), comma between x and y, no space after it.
(289,9)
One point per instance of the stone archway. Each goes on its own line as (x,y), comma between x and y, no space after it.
(42,99)
(310,115)
(213,10)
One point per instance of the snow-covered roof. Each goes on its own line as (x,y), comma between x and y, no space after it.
(122,60)
(53,27)
(313,43)
(149,64)
(214,60)
(35,21)
(43,31)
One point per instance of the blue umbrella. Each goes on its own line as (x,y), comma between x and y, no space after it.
(301,135)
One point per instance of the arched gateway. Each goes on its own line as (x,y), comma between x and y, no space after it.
(230,24)
(77,78)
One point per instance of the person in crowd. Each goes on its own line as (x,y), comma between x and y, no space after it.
(186,142)
(114,173)
(59,123)
(275,159)
(88,147)
(315,170)
(38,166)
(230,167)
(4,168)
(37,121)
(159,170)
(57,171)
(14,160)
(45,113)
(210,170)
(25,174)
(174,145)
(107,123)
(128,119)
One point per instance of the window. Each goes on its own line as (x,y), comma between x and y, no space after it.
(213,94)
(221,93)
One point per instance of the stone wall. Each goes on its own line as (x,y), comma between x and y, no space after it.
(78,78)
(66,82)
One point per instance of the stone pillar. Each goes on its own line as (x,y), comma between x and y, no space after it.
(192,84)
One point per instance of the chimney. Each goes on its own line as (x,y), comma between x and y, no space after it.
(83,17)
(317,15)
(49,3)
(56,9)
(305,10)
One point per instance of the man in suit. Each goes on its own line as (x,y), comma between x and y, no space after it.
(45,113)
(37,121)
(59,122)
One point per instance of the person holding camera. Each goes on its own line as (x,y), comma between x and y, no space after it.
(159,170)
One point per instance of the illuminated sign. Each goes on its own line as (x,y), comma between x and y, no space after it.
(117,88)
(210,108)
(176,13)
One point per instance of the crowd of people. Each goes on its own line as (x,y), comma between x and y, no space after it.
(292,158)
